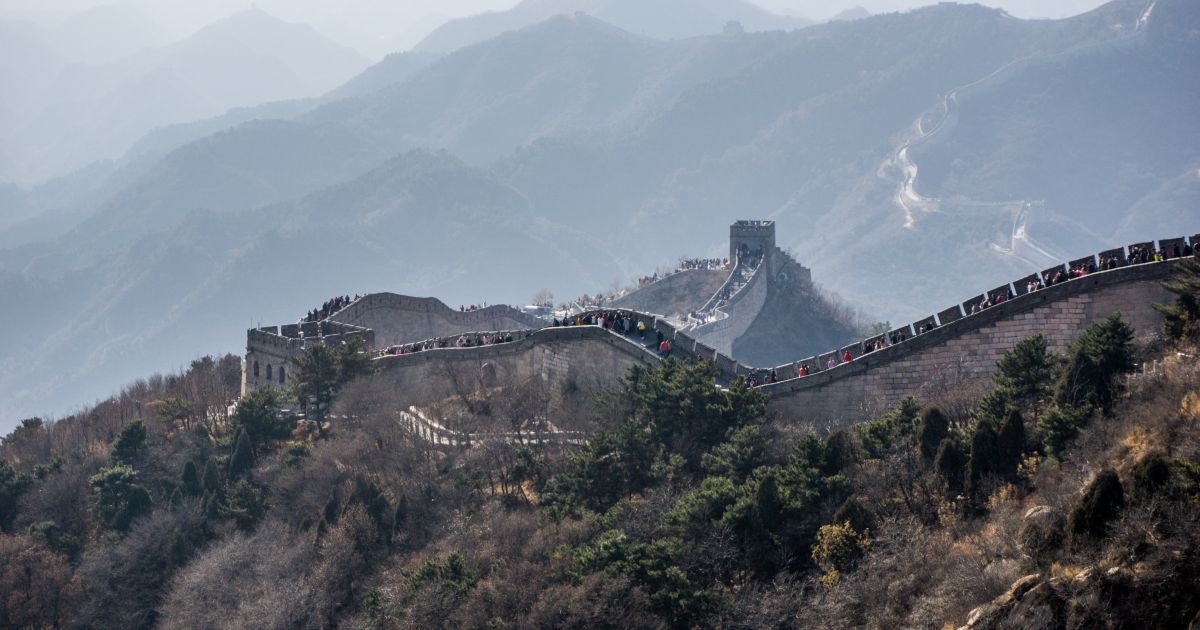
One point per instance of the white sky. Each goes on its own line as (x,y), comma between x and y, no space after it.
(375,27)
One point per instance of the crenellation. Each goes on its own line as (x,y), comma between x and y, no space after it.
(954,346)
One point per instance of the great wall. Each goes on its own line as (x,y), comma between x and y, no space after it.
(954,348)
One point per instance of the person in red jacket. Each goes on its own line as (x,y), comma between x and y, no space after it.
(846,358)
(664,348)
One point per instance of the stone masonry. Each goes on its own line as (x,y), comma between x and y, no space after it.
(964,354)
(941,354)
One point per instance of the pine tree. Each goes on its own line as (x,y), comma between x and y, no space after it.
(212,505)
(243,504)
(934,427)
(400,518)
(1026,370)
(1058,426)
(258,415)
(1011,442)
(322,371)
(243,457)
(212,479)
(1150,474)
(368,494)
(767,504)
(332,510)
(1182,320)
(1102,353)
(1100,504)
(191,480)
(119,498)
(1080,382)
(131,444)
(854,512)
(949,463)
(984,457)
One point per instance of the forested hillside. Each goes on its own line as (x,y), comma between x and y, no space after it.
(1063,496)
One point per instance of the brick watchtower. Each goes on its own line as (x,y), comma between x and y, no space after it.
(751,238)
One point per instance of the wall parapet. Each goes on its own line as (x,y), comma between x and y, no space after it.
(937,330)
(354,310)
(517,346)
(880,359)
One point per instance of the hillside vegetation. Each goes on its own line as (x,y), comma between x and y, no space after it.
(1066,496)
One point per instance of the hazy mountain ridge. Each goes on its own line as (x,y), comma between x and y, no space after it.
(663,19)
(648,147)
(84,112)
(436,107)
(1097,161)
(175,288)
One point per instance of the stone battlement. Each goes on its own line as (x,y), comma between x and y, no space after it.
(956,346)
(747,237)
(271,350)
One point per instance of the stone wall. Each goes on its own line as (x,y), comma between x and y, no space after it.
(740,312)
(271,350)
(752,236)
(399,318)
(963,353)
(955,349)
(567,359)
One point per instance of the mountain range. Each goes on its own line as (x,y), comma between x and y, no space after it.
(909,159)
(659,19)
(59,114)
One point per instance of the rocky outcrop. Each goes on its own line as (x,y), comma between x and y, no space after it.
(1041,532)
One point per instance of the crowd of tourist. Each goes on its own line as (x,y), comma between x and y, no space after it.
(331,306)
(1143,254)
(622,322)
(593,301)
(625,323)
(628,323)
(471,308)
(988,301)
(1137,255)
(467,340)
(749,264)
(686,264)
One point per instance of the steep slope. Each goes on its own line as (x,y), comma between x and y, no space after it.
(661,19)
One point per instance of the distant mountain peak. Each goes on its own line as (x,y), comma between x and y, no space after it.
(663,19)
(855,13)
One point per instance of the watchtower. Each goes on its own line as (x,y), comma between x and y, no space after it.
(751,238)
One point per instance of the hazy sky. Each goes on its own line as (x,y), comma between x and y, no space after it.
(375,27)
